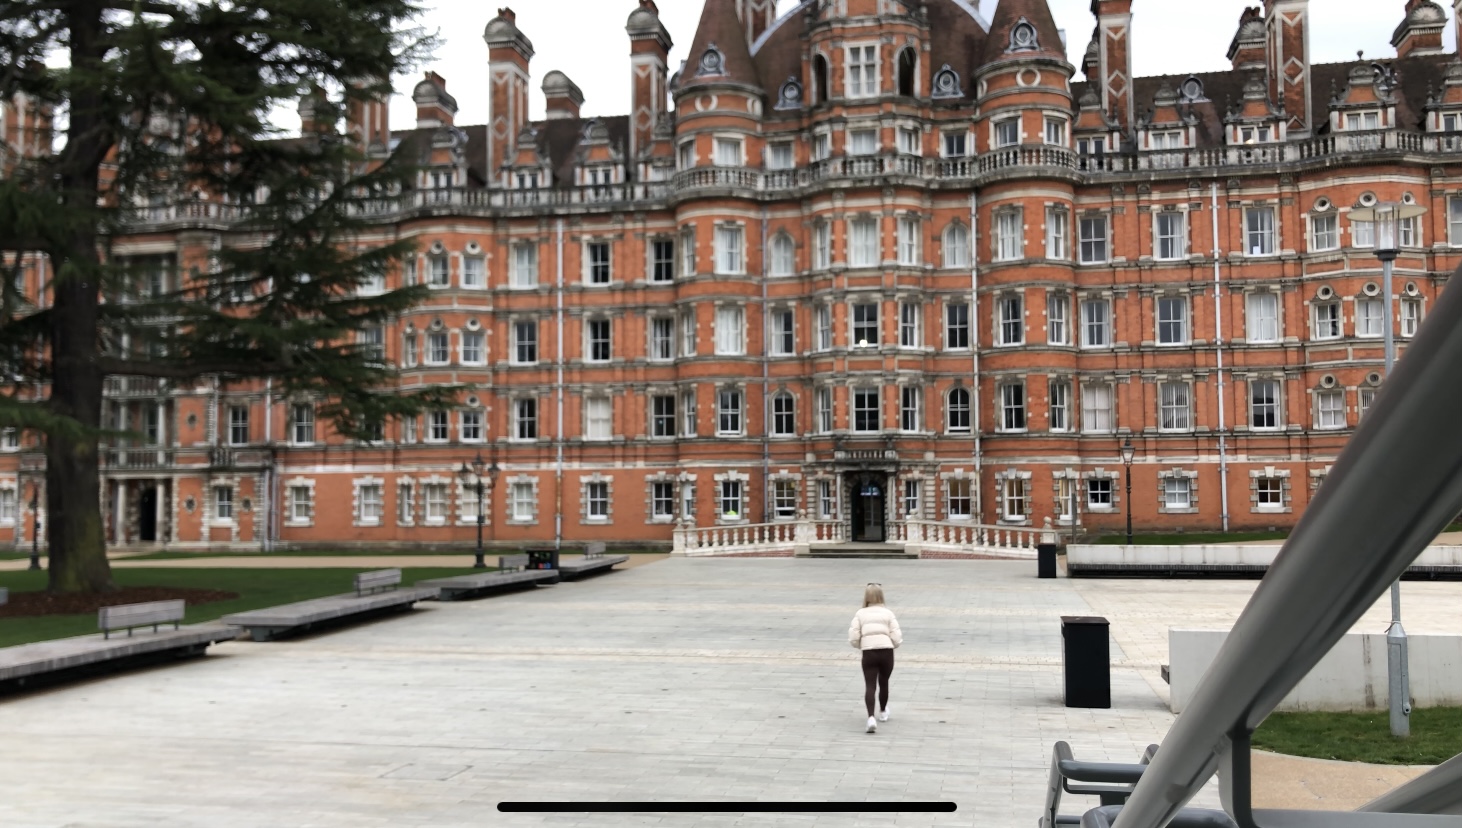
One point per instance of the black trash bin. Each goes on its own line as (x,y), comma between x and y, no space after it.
(1046,560)
(543,558)
(1086,655)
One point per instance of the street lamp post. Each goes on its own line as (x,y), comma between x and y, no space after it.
(35,524)
(1128,452)
(471,475)
(1386,219)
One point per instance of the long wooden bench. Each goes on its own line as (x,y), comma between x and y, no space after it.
(511,573)
(366,602)
(130,616)
(594,561)
(67,658)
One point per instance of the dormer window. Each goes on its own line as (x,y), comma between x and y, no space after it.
(862,71)
(441,180)
(1167,140)
(1254,135)
(1451,123)
(1056,132)
(1362,120)
(598,176)
(527,180)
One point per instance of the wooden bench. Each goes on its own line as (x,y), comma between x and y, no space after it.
(510,574)
(594,560)
(378,581)
(130,616)
(376,593)
(67,658)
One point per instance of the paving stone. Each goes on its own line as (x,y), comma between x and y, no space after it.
(684,680)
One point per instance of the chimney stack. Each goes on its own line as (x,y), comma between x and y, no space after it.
(434,107)
(1288,57)
(1114,59)
(649,57)
(316,114)
(508,55)
(564,96)
(1420,32)
(1248,49)
(757,15)
(368,121)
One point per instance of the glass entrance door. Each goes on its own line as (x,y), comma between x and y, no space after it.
(868,509)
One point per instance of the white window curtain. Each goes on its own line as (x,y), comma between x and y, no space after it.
(730,330)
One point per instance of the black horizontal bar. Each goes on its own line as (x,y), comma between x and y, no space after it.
(726,807)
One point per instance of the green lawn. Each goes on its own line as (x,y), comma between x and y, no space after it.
(256,588)
(1436,736)
(466,554)
(1180,538)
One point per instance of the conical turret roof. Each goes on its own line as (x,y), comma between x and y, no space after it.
(1022,29)
(720,53)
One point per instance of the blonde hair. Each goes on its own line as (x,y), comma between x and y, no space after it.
(873,594)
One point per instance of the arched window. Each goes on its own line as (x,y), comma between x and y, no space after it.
(908,67)
(957,411)
(784,256)
(957,246)
(820,92)
(784,414)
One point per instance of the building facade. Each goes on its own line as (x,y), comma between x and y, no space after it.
(868,261)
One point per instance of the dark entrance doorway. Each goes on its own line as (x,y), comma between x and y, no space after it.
(147,515)
(869,496)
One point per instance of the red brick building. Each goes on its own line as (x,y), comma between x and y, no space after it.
(871,260)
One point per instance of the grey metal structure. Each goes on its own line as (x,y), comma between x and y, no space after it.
(1392,490)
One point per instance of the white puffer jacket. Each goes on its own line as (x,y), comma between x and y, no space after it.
(875,628)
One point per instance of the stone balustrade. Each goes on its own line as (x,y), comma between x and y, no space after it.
(799,536)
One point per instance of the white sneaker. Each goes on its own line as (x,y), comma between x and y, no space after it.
(883,717)
(872,725)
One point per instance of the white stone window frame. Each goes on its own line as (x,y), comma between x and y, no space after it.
(1100,473)
(799,494)
(1249,293)
(1275,230)
(308,484)
(608,518)
(1177,473)
(447,484)
(814,494)
(924,483)
(587,261)
(738,267)
(235,502)
(405,484)
(956,253)
(357,519)
(462,415)
(13,487)
(999,122)
(1285,491)
(519,278)
(877,80)
(481,257)
(662,479)
(512,518)
(776,314)
(1186,380)
(1336,390)
(465,495)
(1026,478)
(462,346)
(741,518)
(1184,236)
(736,138)
(945,479)
(742,411)
(998,320)
(1060,504)
(686,482)
(1003,246)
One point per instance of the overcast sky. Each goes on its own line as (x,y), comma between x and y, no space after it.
(586,40)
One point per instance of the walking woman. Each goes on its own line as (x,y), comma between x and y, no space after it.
(876,632)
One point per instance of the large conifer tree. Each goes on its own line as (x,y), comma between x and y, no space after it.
(158,101)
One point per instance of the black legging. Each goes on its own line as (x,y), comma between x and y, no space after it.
(877,667)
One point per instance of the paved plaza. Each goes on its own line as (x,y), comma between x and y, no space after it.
(708,679)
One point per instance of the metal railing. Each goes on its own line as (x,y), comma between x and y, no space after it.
(1395,486)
